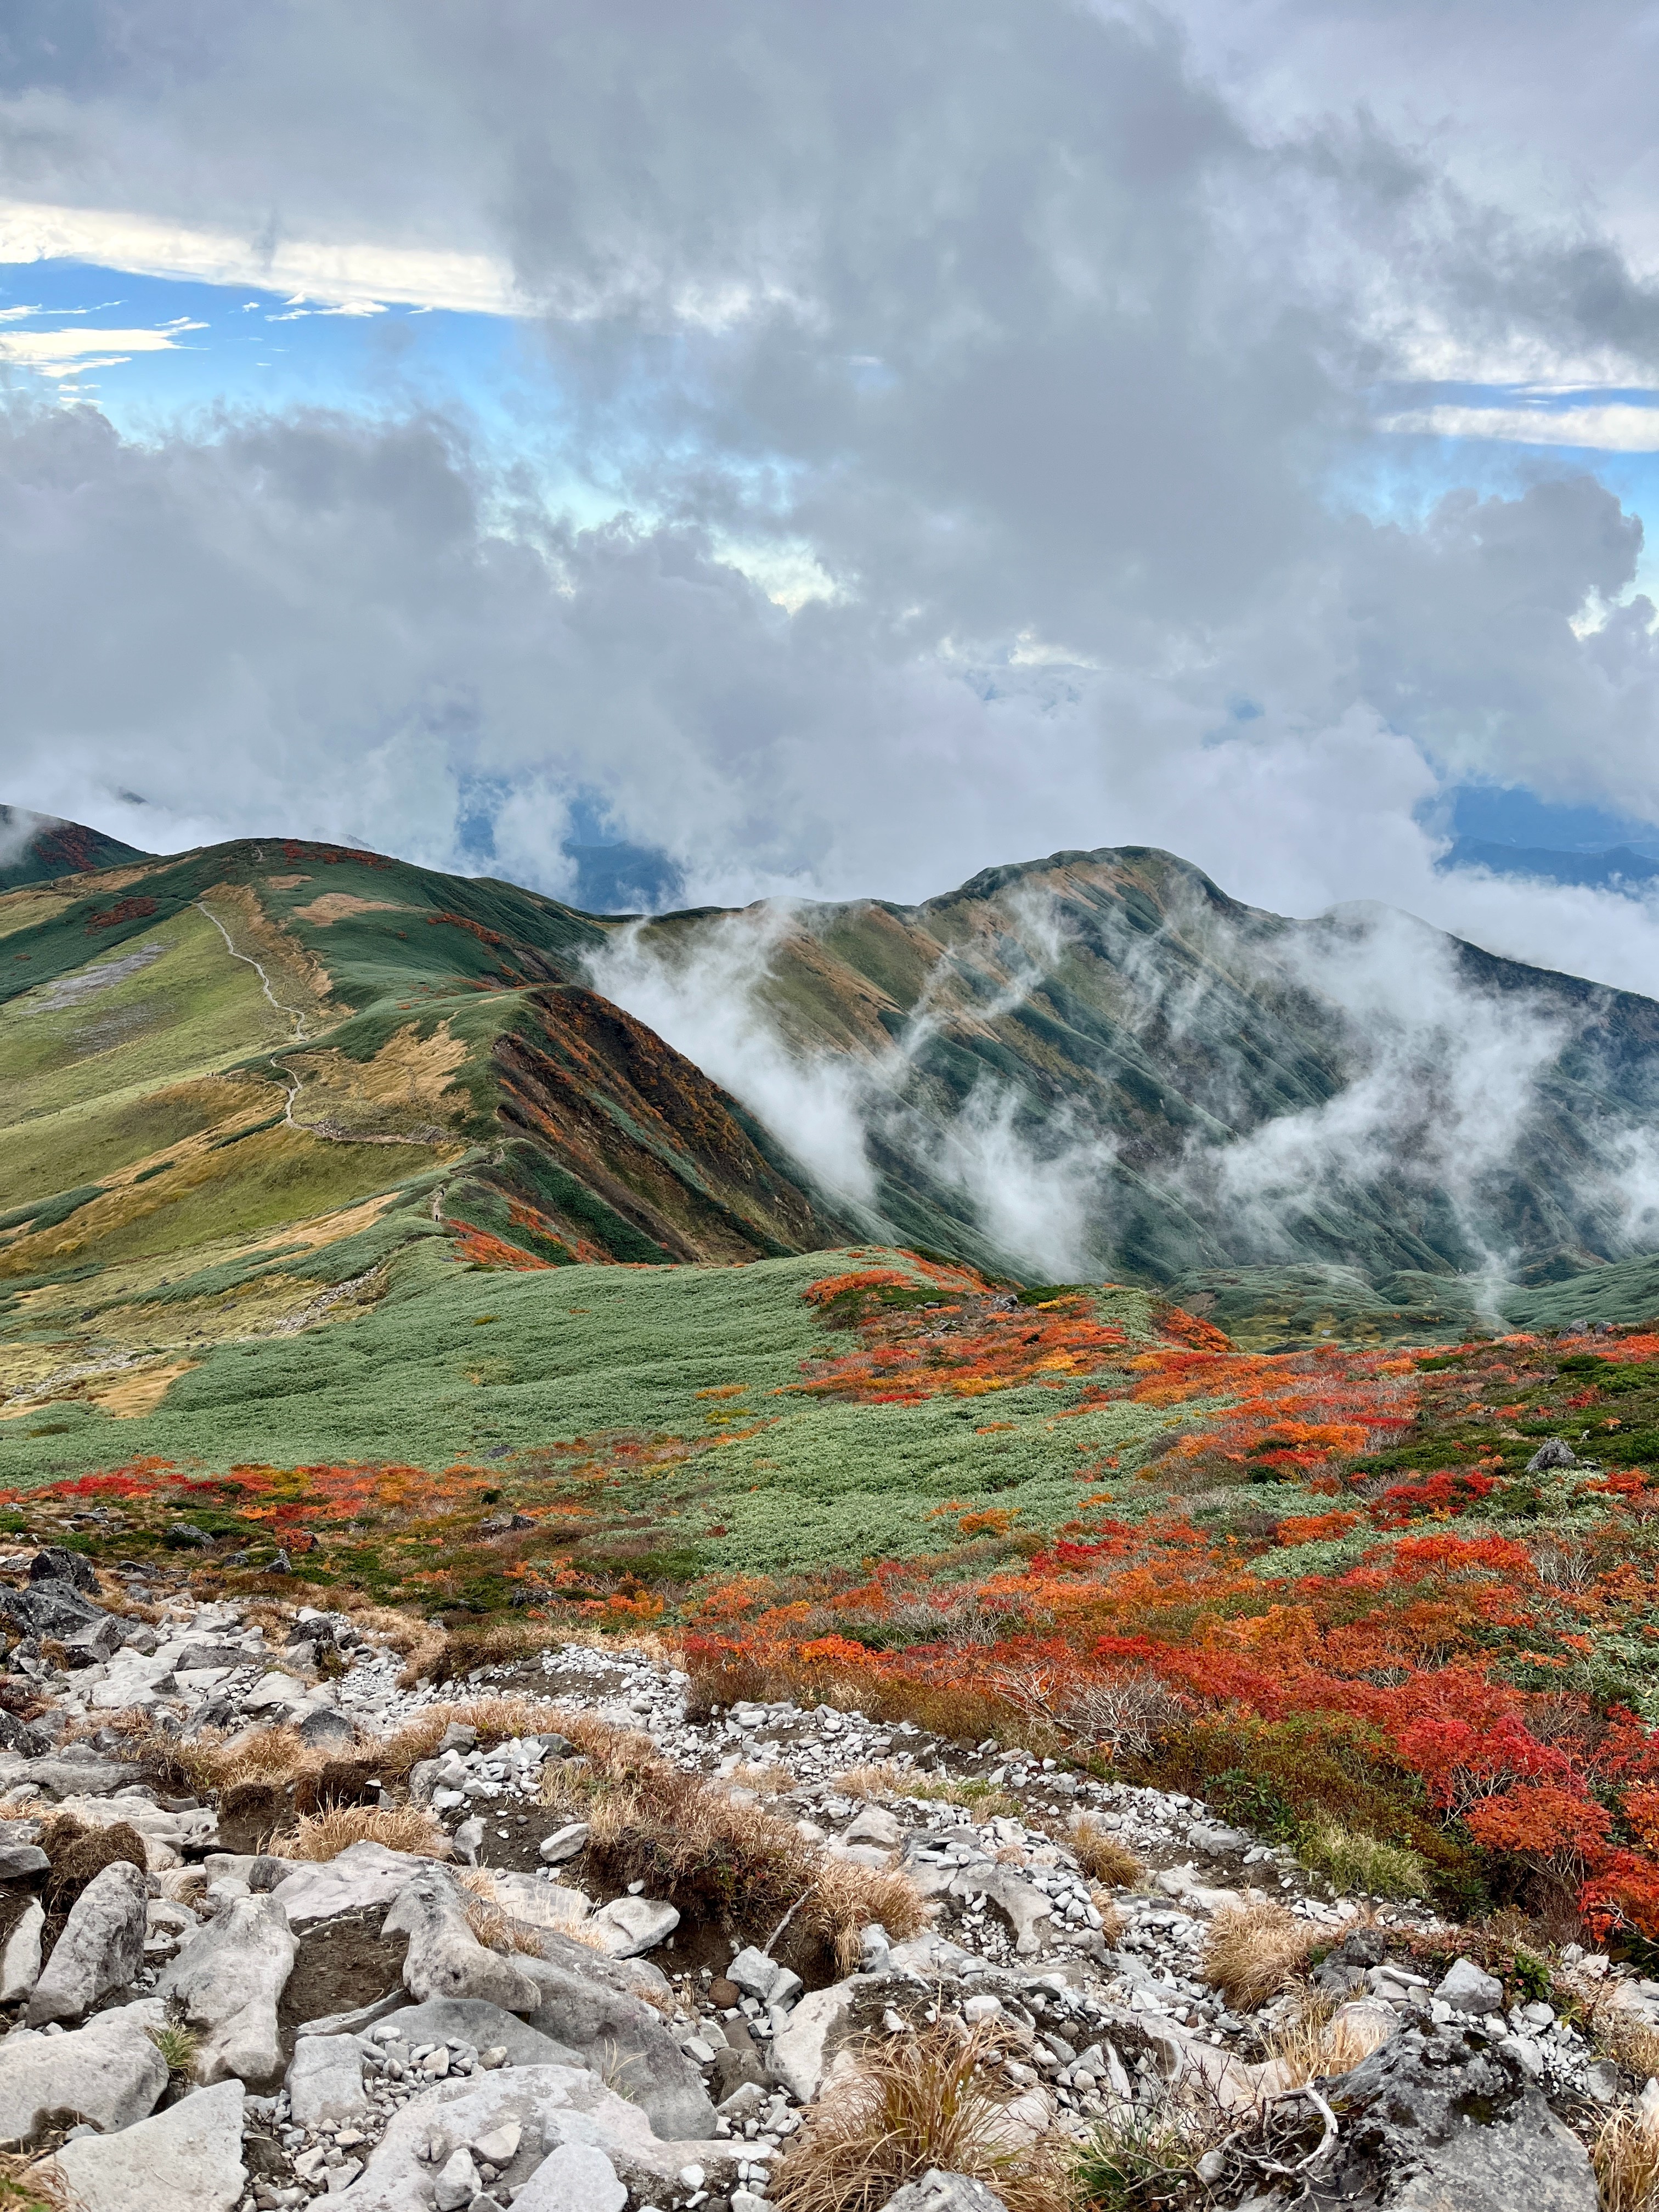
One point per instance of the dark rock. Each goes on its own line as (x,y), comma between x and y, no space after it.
(722,1993)
(732,2069)
(327,1731)
(1552,1452)
(54,1564)
(50,1608)
(196,1656)
(1363,1947)
(19,1861)
(556,1746)
(1444,2119)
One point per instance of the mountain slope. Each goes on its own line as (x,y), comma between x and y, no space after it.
(236,1085)
(1100,1060)
(38,848)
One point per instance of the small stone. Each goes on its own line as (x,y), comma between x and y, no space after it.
(1468,1988)
(563,1844)
(457,2183)
(1602,2081)
(501,2146)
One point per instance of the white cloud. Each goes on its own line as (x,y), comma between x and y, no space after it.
(1613,426)
(349,275)
(67,353)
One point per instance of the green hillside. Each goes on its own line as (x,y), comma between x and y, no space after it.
(235,1083)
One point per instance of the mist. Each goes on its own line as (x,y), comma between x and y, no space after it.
(1476,1121)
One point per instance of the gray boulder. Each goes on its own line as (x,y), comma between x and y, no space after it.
(1443,2121)
(101,1949)
(108,2072)
(486,2026)
(939,2192)
(1553,1452)
(577,2178)
(552,2107)
(229,1979)
(444,1959)
(801,2052)
(623,2038)
(325,2081)
(364,1876)
(188,2158)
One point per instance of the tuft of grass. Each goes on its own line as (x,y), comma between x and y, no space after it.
(1139,2158)
(917,2102)
(1625,2156)
(216,1761)
(1252,1952)
(1315,2043)
(846,1898)
(1103,1857)
(28,2183)
(1628,2039)
(1357,1864)
(180,2046)
(325,1835)
(884,1778)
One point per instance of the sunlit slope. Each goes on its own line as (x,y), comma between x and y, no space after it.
(1215,1087)
(233,1085)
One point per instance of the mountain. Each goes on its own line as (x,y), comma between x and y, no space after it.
(239,1085)
(1618,868)
(1101,1061)
(38,848)
(256,1090)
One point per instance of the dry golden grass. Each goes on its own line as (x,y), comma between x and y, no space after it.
(962,1714)
(325,1835)
(215,1760)
(848,1898)
(1626,2036)
(28,2183)
(1625,2156)
(1102,1857)
(920,2101)
(770,1781)
(1112,1921)
(1252,1952)
(1316,2043)
(495,1718)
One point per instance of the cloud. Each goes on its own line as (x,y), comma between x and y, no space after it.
(964,405)
(67,352)
(346,276)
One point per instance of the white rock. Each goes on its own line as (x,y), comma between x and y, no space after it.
(563,1844)
(365,1875)
(874,1825)
(188,2158)
(101,1949)
(273,1689)
(19,1962)
(444,1959)
(325,2081)
(458,2184)
(578,2178)
(801,2054)
(499,2146)
(631,1926)
(110,2072)
(229,1980)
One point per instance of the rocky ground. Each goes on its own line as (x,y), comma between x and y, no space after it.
(230,2028)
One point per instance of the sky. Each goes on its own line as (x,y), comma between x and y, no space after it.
(836,450)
